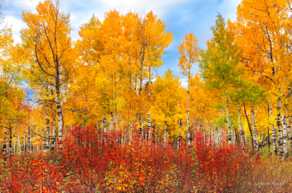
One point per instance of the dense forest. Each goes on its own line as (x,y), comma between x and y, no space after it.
(101,120)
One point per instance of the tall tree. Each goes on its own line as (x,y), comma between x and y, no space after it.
(120,52)
(167,107)
(264,34)
(220,66)
(49,55)
(11,96)
(189,56)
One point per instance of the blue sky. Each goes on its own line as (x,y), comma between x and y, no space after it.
(180,17)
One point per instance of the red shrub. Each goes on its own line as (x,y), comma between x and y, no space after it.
(30,174)
(220,167)
(91,161)
(91,156)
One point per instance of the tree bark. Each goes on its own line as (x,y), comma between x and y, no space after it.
(18,145)
(229,126)
(285,137)
(274,140)
(249,126)
(29,145)
(274,132)
(48,130)
(241,131)
(254,129)
(165,135)
(279,125)
(59,103)
(142,57)
(10,145)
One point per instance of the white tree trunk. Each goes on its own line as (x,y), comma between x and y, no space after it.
(241,131)
(280,130)
(149,125)
(290,132)
(18,145)
(189,135)
(48,137)
(274,132)
(274,139)
(165,136)
(254,129)
(285,137)
(229,126)
(59,118)
(29,144)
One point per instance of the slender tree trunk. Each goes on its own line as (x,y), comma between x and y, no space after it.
(149,75)
(177,140)
(249,126)
(290,132)
(48,132)
(188,137)
(285,137)
(142,131)
(24,143)
(229,126)
(59,114)
(254,128)
(241,131)
(58,99)
(103,126)
(142,57)
(274,140)
(10,145)
(111,124)
(15,148)
(274,132)
(54,131)
(18,145)
(165,136)
(149,123)
(4,146)
(29,146)
(236,134)
(216,136)
(7,141)
(130,133)
(269,139)
(189,107)
(279,125)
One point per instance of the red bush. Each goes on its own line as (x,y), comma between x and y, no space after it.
(220,167)
(91,161)
(30,174)
(91,155)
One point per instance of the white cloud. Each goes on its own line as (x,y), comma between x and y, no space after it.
(15,24)
(81,11)
(24,5)
(230,8)
(184,82)
(160,7)
(100,7)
